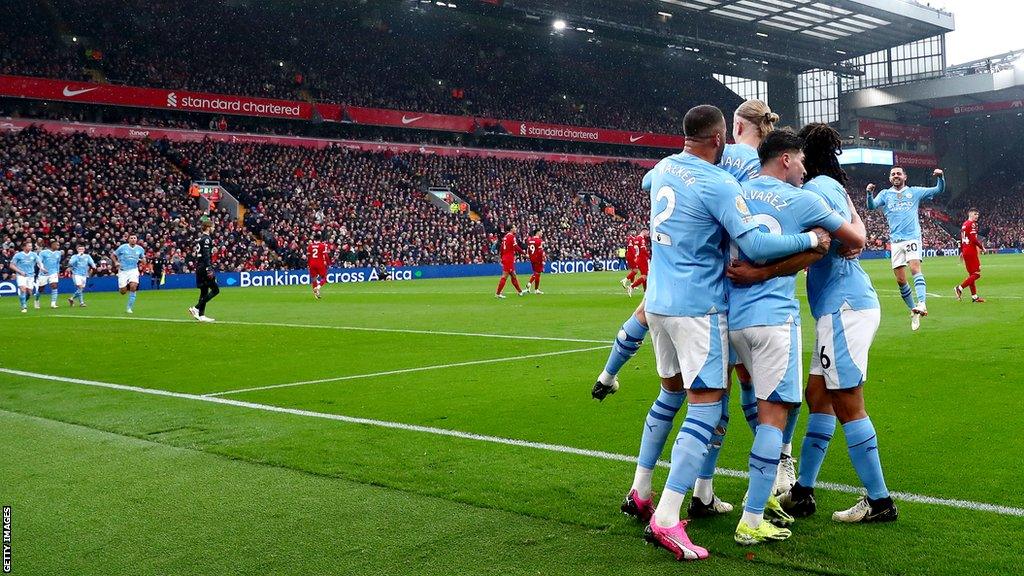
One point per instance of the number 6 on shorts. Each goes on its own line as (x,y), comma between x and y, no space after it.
(841,351)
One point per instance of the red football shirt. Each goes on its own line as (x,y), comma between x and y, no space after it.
(637,249)
(318,253)
(535,248)
(969,242)
(509,247)
(643,251)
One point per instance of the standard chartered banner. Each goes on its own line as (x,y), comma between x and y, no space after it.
(265,278)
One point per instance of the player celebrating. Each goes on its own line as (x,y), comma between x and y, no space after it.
(509,248)
(126,259)
(764,323)
(752,122)
(49,272)
(206,276)
(900,204)
(970,248)
(535,249)
(23,264)
(845,308)
(318,256)
(693,204)
(80,264)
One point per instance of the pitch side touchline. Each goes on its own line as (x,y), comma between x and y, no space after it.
(330,327)
(407,370)
(904,496)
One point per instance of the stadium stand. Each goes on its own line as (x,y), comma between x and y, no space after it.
(98,190)
(372,206)
(392,58)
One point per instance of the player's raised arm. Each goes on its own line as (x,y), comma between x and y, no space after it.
(939,188)
(874,202)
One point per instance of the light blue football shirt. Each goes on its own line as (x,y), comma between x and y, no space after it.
(50,260)
(900,209)
(80,264)
(694,204)
(779,208)
(26,262)
(834,281)
(741,161)
(129,257)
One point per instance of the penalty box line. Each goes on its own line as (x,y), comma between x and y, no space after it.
(333,327)
(845,488)
(406,371)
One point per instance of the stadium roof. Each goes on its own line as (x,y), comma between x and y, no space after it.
(972,86)
(792,35)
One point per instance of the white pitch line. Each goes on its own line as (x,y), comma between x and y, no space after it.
(407,370)
(887,291)
(845,488)
(333,327)
(966,296)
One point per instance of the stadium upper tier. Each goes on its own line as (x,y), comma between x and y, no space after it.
(381,55)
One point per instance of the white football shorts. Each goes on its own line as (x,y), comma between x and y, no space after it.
(43,280)
(126,277)
(773,355)
(843,340)
(904,252)
(695,347)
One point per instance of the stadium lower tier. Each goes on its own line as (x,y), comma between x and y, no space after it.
(375,208)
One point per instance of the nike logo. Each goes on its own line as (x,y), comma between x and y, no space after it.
(69,92)
(410,120)
(650,427)
(634,138)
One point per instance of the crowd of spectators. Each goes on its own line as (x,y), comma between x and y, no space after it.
(585,210)
(371,54)
(29,47)
(372,206)
(96,191)
(999,198)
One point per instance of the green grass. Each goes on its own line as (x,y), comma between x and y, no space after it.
(106,481)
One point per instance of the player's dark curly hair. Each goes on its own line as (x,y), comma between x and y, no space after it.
(822,147)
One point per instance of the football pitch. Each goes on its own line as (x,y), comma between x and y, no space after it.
(425,427)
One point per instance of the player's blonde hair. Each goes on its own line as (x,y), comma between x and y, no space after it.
(759,114)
